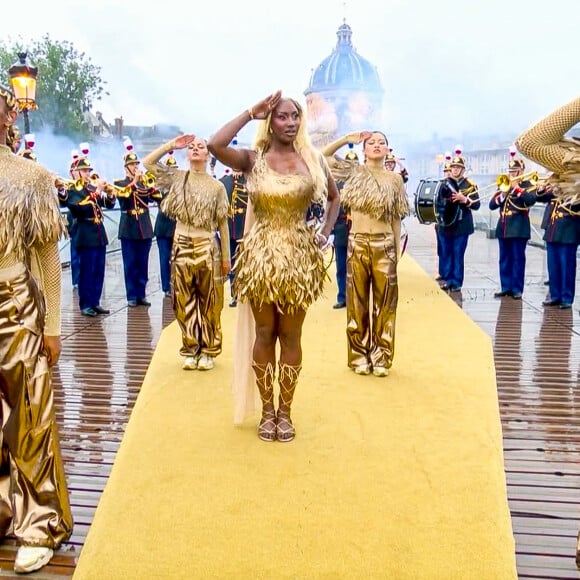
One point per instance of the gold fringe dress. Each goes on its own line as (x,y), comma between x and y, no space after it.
(34,503)
(278,261)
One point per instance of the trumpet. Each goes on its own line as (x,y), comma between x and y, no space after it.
(117,191)
(147,179)
(504,182)
(61,183)
(109,188)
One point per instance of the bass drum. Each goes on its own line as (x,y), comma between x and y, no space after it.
(426,200)
(433,203)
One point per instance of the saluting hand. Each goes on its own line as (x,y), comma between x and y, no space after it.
(183,141)
(356,138)
(262,109)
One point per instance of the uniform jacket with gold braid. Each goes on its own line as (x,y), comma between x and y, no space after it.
(561,220)
(463,224)
(514,214)
(85,206)
(135,223)
(238,200)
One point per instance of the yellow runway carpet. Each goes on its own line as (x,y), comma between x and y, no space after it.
(398,477)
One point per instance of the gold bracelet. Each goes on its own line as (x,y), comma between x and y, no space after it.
(251,113)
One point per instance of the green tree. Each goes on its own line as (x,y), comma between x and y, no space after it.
(68,84)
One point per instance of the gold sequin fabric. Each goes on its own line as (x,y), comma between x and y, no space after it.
(545,144)
(278,261)
(380,194)
(197,200)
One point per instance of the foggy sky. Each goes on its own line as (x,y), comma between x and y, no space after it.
(449,67)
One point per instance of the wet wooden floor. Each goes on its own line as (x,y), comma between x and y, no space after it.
(537,356)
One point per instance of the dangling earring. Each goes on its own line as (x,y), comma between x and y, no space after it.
(270,129)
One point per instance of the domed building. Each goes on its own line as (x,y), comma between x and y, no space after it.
(344,93)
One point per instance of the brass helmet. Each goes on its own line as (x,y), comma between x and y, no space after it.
(170,161)
(515,164)
(80,163)
(351,154)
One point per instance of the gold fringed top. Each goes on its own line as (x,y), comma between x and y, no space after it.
(30,227)
(545,144)
(378,194)
(196,200)
(30,215)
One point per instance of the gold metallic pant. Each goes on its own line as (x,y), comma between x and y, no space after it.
(34,504)
(371,274)
(197,295)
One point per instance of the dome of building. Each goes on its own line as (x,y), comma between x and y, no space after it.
(344,69)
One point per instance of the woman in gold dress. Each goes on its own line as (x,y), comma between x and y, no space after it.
(376,201)
(279,267)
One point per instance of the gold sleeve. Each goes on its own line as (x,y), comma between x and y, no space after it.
(47,270)
(163,174)
(542,142)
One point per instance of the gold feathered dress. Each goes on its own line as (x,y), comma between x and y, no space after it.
(278,261)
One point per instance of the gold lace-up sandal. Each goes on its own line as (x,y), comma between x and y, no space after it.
(287,379)
(265,381)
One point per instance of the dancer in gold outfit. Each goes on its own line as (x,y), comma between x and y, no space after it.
(34,504)
(279,267)
(375,198)
(199,205)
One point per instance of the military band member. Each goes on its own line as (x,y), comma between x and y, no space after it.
(391,163)
(235,184)
(441,274)
(136,229)
(85,200)
(546,143)
(513,199)
(340,232)
(462,198)
(562,237)
(163,232)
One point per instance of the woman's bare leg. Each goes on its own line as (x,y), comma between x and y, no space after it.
(264,365)
(290,335)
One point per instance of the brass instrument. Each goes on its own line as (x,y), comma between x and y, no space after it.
(504,182)
(110,188)
(61,182)
(145,181)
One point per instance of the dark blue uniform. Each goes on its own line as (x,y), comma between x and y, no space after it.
(340,231)
(238,198)
(90,241)
(513,232)
(561,225)
(455,231)
(136,234)
(163,232)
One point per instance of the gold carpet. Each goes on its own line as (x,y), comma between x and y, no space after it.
(398,477)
